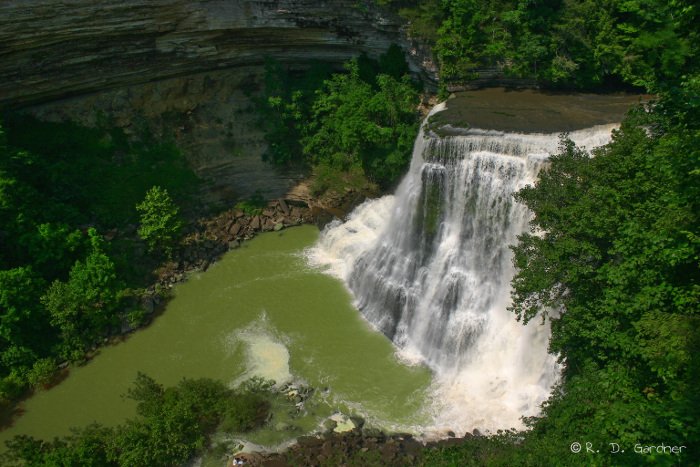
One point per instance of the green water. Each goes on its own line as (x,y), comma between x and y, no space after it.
(260,310)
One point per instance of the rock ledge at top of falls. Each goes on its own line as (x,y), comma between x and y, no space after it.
(530,111)
(54,49)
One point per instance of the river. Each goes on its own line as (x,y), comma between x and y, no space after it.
(260,310)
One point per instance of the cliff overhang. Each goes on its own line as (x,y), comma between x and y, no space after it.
(54,49)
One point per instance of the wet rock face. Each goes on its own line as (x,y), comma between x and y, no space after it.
(52,49)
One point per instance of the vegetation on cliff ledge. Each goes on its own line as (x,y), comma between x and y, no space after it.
(353,128)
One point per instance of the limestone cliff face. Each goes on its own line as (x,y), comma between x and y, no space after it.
(186,67)
(51,49)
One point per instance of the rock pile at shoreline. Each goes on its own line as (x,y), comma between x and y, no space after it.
(361,446)
(212,237)
(353,448)
(209,238)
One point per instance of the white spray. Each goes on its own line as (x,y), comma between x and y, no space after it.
(430,267)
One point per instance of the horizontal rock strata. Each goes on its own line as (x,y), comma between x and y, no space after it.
(51,49)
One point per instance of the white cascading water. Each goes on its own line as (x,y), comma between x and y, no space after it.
(431,267)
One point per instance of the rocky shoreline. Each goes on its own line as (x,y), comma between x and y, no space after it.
(207,239)
(360,446)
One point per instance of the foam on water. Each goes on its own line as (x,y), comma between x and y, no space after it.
(266,356)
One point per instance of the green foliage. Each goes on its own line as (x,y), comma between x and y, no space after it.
(352,128)
(424,19)
(583,43)
(355,127)
(614,267)
(285,107)
(42,372)
(249,408)
(60,283)
(22,315)
(78,175)
(252,206)
(160,221)
(431,210)
(83,307)
(618,222)
(173,424)
(53,248)
(25,331)
(497,450)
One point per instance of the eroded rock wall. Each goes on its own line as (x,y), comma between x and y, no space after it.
(189,69)
(212,118)
(52,49)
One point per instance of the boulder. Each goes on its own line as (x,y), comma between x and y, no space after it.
(148,304)
(235,229)
(255,223)
(283,206)
(358,421)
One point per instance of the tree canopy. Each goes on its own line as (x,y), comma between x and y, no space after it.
(353,128)
(160,221)
(62,285)
(171,426)
(582,43)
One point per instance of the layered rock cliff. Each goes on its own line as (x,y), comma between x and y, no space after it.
(188,68)
(51,49)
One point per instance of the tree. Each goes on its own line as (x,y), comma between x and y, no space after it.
(25,332)
(355,126)
(285,107)
(22,319)
(172,425)
(160,220)
(52,248)
(83,307)
(614,251)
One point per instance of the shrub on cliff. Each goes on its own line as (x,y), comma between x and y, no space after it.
(356,126)
(160,221)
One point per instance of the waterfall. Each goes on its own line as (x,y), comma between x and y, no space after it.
(430,267)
